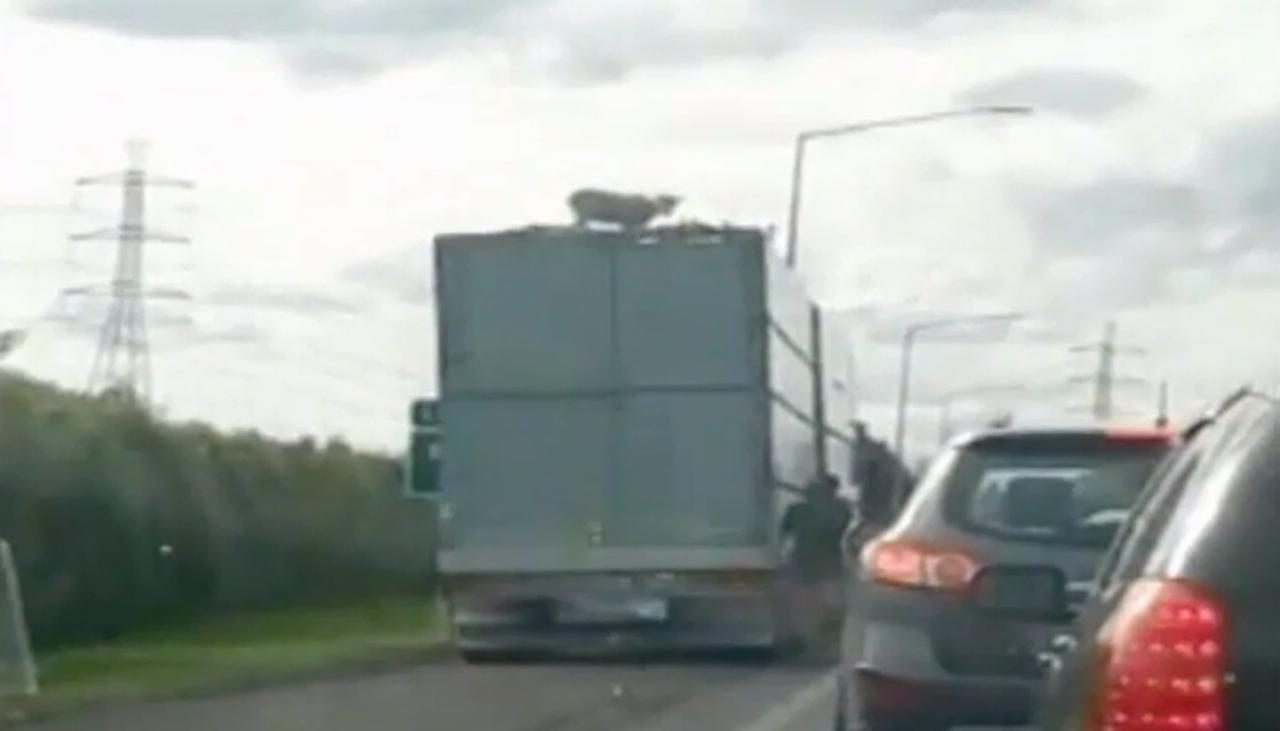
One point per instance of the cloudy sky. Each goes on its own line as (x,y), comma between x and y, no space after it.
(330,138)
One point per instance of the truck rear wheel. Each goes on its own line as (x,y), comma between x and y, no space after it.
(492,657)
(810,623)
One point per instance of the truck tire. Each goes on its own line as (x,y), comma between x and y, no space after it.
(493,657)
(810,634)
(841,720)
(787,649)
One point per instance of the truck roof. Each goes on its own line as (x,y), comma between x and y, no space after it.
(684,232)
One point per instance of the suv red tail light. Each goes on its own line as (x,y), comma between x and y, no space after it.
(1162,664)
(907,563)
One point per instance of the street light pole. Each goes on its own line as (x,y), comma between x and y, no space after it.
(803,139)
(944,422)
(904,371)
(904,386)
(793,208)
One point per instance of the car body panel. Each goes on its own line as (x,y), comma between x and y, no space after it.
(940,639)
(1210,518)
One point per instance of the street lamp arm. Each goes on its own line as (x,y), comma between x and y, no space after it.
(962,320)
(867,126)
(797,166)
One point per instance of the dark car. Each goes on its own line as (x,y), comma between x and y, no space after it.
(1183,630)
(917,654)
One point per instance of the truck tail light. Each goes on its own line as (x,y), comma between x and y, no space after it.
(1162,664)
(911,564)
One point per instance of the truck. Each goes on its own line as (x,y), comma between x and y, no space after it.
(622,419)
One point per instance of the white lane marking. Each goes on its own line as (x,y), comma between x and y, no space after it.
(798,703)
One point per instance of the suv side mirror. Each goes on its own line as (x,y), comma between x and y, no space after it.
(1022,592)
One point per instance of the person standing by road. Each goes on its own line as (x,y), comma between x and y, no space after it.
(812,529)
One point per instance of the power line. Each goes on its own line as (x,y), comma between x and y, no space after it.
(355,409)
(15,332)
(309,358)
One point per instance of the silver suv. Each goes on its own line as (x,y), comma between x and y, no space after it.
(917,654)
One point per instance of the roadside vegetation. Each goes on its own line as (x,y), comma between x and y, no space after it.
(123,524)
(238,650)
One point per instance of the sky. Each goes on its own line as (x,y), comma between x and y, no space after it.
(329,140)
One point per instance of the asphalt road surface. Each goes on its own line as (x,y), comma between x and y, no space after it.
(528,697)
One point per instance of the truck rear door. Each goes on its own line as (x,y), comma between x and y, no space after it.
(528,400)
(692,433)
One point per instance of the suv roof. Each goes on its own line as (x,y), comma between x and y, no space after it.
(958,501)
(984,436)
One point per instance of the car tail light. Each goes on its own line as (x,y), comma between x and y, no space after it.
(1162,664)
(907,563)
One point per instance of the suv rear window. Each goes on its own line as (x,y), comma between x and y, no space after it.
(1071,489)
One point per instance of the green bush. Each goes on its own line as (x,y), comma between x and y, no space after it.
(119,520)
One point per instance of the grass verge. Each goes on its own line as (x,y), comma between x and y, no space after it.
(235,651)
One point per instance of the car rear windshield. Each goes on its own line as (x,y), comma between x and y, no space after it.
(1068,489)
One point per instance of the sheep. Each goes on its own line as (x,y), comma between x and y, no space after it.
(627,211)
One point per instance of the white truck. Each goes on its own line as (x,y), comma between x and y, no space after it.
(622,420)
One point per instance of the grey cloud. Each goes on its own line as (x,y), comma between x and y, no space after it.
(303,302)
(332,65)
(1102,215)
(273,20)
(1128,242)
(1113,244)
(404,274)
(78,323)
(85,316)
(180,18)
(902,13)
(571,38)
(242,333)
(1242,167)
(1256,268)
(1260,235)
(606,51)
(1100,283)
(600,55)
(1078,92)
(195,332)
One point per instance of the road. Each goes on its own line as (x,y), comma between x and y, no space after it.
(549,697)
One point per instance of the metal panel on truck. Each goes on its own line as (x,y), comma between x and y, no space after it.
(590,380)
(791,374)
(523,315)
(841,384)
(525,473)
(788,303)
(691,471)
(689,315)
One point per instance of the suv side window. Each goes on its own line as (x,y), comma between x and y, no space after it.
(1197,458)
(1150,515)
(1108,563)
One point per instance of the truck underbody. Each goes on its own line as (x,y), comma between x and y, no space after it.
(622,612)
(614,612)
